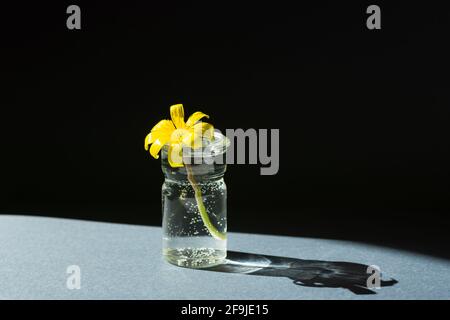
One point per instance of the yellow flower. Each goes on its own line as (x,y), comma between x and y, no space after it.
(177,133)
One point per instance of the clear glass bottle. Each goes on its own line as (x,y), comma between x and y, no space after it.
(194,201)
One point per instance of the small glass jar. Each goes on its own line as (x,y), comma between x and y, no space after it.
(194,206)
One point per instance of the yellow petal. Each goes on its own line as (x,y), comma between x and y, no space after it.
(197,133)
(205,129)
(164,125)
(188,140)
(147,140)
(157,145)
(196,116)
(175,155)
(161,130)
(177,115)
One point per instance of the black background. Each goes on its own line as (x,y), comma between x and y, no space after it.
(363,114)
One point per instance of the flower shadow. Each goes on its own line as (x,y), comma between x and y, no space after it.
(308,273)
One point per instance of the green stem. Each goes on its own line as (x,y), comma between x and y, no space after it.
(201,207)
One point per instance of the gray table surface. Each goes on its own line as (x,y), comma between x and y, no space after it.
(124,262)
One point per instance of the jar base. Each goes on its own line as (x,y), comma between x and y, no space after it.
(194,257)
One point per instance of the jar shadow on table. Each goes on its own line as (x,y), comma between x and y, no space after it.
(308,273)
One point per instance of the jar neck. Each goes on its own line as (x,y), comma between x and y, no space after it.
(206,164)
(202,172)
